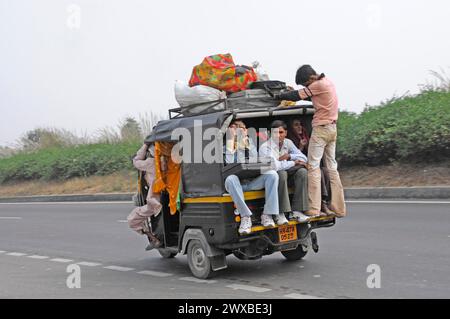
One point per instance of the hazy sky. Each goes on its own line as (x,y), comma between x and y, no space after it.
(85,64)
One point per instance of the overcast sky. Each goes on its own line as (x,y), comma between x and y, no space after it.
(85,64)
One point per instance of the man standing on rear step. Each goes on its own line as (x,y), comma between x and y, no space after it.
(322,93)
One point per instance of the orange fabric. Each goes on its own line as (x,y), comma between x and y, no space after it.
(168,180)
(219,71)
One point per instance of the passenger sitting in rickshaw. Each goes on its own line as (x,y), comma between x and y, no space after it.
(290,164)
(238,146)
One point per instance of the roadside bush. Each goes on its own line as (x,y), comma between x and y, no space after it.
(67,162)
(412,129)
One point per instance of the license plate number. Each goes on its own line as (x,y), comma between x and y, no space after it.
(287,233)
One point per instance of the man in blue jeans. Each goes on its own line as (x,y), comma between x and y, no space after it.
(237,149)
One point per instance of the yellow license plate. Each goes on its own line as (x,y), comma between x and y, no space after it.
(287,233)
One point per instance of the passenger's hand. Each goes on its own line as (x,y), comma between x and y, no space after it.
(300,163)
(231,134)
(285,157)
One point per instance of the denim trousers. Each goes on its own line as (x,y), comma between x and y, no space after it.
(267,180)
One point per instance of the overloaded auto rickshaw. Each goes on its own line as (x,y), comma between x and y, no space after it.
(202,223)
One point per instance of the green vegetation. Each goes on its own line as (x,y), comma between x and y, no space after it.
(67,162)
(57,154)
(409,129)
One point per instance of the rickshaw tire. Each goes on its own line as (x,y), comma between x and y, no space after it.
(166,253)
(294,254)
(199,262)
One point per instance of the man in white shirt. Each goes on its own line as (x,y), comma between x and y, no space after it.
(290,163)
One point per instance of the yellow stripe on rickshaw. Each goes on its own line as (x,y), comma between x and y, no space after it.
(225,198)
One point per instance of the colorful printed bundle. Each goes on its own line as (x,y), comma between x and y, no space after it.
(220,72)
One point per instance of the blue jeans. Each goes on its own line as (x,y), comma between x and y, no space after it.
(267,181)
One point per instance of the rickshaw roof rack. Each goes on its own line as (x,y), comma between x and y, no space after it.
(179,112)
(164,129)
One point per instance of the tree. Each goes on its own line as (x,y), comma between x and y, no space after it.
(130,130)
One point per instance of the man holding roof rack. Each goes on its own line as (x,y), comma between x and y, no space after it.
(322,93)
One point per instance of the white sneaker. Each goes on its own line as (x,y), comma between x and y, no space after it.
(246,225)
(300,217)
(281,219)
(267,221)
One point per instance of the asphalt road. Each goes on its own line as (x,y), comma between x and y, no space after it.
(409,241)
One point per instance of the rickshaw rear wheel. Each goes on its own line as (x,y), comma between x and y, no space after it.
(198,261)
(165,253)
(295,254)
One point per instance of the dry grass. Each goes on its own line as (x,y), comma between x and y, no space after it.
(115,183)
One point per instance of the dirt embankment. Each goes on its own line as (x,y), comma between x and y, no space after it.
(397,175)
(394,175)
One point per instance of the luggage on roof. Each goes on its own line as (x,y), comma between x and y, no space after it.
(198,99)
(220,72)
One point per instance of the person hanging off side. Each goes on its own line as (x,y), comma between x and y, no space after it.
(322,93)
(138,220)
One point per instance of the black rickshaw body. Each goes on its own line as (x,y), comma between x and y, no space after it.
(206,214)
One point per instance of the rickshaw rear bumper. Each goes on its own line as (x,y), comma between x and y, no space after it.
(268,239)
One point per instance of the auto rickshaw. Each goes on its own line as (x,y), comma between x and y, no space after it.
(204,225)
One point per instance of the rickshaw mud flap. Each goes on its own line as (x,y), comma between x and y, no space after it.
(218,262)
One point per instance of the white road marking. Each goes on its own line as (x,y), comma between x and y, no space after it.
(122,221)
(301,296)
(38,257)
(10,217)
(316,276)
(16,254)
(89,264)
(61,260)
(154,273)
(118,268)
(196,280)
(3,251)
(394,202)
(248,288)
